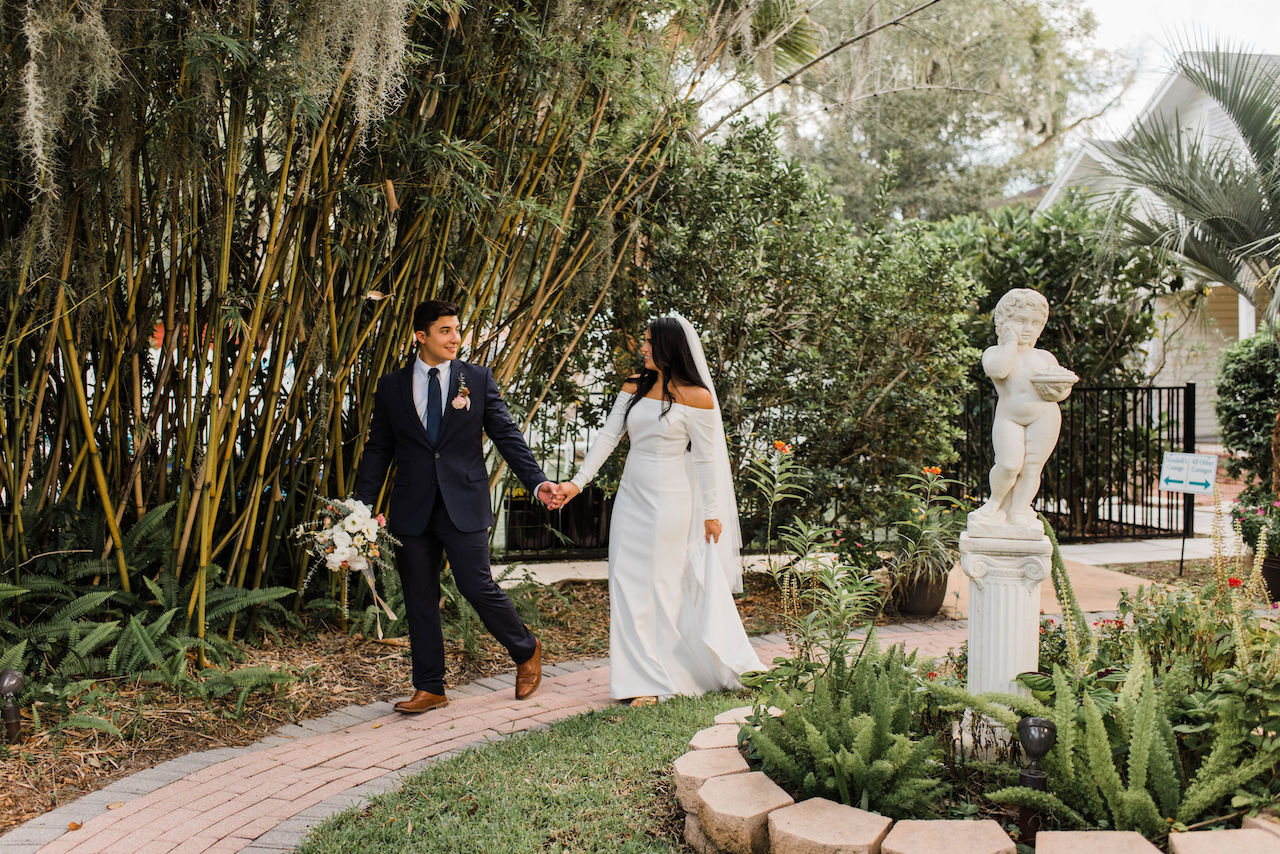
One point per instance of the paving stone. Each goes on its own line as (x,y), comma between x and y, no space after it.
(281,838)
(698,766)
(377,785)
(31,834)
(695,838)
(733,811)
(496,683)
(1251,841)
(217,754)
(20,847)
(471,689)
(953,837)
(739,715)
(720,735)
(1093,841)
(295,731)
(1267,822)
(342,721)
(821,826)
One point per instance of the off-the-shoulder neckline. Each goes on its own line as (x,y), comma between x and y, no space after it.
(674,403)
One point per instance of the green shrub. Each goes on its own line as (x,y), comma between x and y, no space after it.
(851,739)
(1248,388)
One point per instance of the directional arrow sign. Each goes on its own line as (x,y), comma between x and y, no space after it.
(1188,472)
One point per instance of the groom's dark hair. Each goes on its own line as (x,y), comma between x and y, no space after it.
(429,311)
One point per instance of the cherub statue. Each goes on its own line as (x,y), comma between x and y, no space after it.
(1030,383)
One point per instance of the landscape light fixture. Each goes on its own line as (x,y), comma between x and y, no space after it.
(11,682)
(1037,736)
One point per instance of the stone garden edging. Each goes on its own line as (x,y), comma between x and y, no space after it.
(730,809)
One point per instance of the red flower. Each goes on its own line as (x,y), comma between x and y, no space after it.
(931,675)
(1234,582)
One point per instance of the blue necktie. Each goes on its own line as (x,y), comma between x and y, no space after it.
(433,405)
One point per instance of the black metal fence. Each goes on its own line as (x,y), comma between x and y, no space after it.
(559,436)
(1102,481)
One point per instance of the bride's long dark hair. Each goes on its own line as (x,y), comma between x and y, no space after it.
(674,360)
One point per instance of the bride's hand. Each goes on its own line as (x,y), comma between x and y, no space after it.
(713,529)
(569,490)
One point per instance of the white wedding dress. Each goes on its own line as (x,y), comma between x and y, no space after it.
(673,624)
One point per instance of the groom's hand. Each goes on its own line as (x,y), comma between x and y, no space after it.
(549,494)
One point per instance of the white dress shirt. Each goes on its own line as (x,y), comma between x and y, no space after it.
(422,376)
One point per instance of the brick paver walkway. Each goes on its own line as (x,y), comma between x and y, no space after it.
(265,797)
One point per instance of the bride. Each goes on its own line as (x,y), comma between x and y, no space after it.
(673,562)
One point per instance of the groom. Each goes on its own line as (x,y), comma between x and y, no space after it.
(428,417)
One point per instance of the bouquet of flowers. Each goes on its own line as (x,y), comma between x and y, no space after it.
(348,537)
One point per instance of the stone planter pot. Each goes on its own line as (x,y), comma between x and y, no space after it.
(922,598)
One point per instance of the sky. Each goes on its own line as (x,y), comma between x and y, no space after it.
(1145,28)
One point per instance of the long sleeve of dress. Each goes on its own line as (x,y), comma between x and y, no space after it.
(606,440)
(703,434)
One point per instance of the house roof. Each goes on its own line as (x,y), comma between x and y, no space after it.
(1175,99)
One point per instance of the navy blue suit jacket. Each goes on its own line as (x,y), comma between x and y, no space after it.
(453,467)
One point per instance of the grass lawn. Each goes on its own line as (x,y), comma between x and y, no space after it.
(595,782)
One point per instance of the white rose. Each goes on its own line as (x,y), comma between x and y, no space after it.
(357,563)
(341,540)
(370,530)
(333,560)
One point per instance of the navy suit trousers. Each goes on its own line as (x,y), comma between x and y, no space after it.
(419,560)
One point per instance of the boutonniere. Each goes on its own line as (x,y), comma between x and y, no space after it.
(463,400)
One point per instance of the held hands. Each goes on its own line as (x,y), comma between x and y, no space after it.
(551,495)
(556,495)
(713,529)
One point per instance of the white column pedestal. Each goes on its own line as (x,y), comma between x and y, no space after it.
(1004,608)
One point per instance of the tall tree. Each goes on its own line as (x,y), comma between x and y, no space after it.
(1212,200)
(971,96)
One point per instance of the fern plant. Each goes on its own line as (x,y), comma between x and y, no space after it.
(851,738)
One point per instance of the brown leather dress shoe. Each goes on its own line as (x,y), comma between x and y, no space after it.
(529,673)
(421,701)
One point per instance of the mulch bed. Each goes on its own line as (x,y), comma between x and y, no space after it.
(1196,572)
(331,670)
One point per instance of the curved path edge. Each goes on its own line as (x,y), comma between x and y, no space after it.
(266,796)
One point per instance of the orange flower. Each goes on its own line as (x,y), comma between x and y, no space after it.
(932,470)
(781,446)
